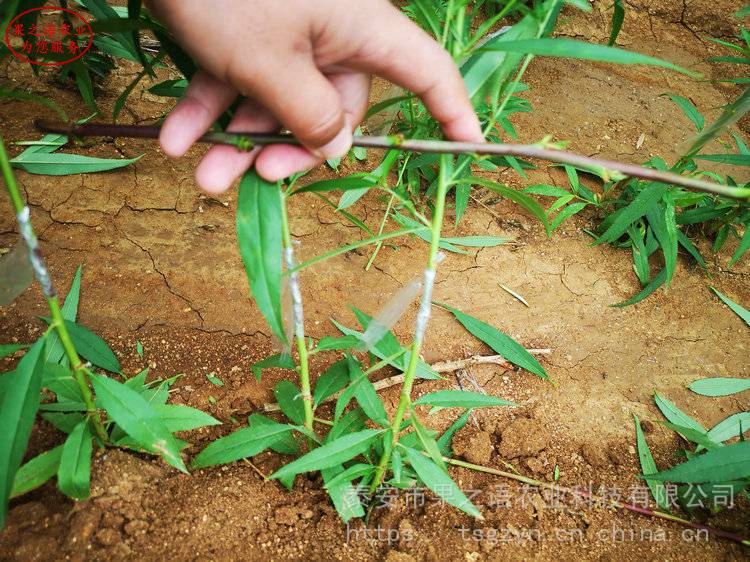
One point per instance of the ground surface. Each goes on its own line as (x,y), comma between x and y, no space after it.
(161,266)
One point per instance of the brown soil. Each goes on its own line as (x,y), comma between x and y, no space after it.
(161,267)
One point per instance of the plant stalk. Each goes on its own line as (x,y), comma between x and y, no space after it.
(42,275)
(422,318)
(603,500)
(299,322)
(606,169)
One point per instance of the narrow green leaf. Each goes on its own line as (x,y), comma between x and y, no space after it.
(54,351)
(278,361)
(365,393)
(344,496)
(618,16)
(354,181)
(736,308)
(498,341)
(690,111)
(63,164)
(92,347)
(461,399)
(570,48)
(330,382)
(719,386)
(170,88)
(648,466)
(290,401)
(345,342)
(331,454)
(11,348)
(675,415)
(178,417)
(437,480)
(519,197)
(286,445)
(742,249)
(730,427)
(649,195)
(476,241)
(74,471)
(65,422)
(731,462)
(243,443)
(137,418)
(259,235)
(353,472)
(692,435)
(445,442)
(428,442)
(655,283)
(19,402)
(36,471)
(731,159)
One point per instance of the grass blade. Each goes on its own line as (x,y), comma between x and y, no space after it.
(736,308)
(36,471)
(74,471)
(243,443)
(648,466)
(719,386)
(731,462)
(461,399)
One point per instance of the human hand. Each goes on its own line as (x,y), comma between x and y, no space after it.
(304,66)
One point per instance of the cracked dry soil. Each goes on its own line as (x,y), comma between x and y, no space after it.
(161,267)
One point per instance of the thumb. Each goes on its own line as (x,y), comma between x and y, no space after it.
(306,103)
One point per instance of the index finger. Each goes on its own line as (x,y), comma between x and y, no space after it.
(399,51)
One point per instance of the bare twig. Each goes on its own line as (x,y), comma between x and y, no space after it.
(606,169)
(443,367)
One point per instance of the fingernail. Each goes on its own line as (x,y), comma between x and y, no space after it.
(338,147)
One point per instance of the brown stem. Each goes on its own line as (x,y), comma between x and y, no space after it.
(245,141)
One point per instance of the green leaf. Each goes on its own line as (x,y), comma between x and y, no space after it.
(437,480)
(655,283)
(662,222)
(278,361)
(331,454)
(688,109)
(63,164)
(243,443)
(137,418)
(648,466)
(731,159)
(428,442)
(476,241)
(731,462)
(11,93)
(719,386)
(389,347)
(214,380)
(675,415)
(18,405)
(11,348)
(692,435)
(36,471)
(649,196)
(92,347)
(570,48)
(74,472)
(259,220)
(426,14)
(353,472)
(730,427)
(290,401)
(519,197)
(446,439)
(65,422)
(177,417)
(354,181)
(485,71)
(329,344)
(461,399)
(344,496)
(743,247)
(618,16)
(731,113)
(286,445)
(365,393)
(54,351)
(736,308)
(170,88)
(498,341)
(330,382)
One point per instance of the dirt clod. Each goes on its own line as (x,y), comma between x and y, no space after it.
(522,438)
(474,446)
(595,455)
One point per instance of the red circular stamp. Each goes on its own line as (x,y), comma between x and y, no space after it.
(56,36)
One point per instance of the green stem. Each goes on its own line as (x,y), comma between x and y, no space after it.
(299,328)
(58,323)
(416,346)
